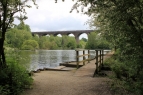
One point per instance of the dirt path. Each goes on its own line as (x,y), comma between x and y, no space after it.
(66,83)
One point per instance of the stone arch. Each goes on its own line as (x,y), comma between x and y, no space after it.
(77,36)
(76,33)
(85,35)
(70,34)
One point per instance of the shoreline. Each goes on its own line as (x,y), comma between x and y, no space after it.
(69,83)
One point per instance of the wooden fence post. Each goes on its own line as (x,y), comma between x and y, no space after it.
(96,70)
(102,57)
(77,59)
(88,56)
(83,57)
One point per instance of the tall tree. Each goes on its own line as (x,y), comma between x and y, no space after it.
(96,41)
(121,22)
(8,10)
(92,41)
(15,37)
(23,26)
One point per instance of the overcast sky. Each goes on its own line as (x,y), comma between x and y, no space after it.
(51,16)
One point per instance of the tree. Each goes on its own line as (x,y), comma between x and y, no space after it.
(71,43)
(8,8)
(30,45)
(84,39)
(82,44)
(58,41)
(96,41)
(23,26)
(92,42)
(121,22)
(64,41)
(36,38)
(16,37)
(43,42)
(52,45)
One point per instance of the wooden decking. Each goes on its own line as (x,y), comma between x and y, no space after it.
(71,64)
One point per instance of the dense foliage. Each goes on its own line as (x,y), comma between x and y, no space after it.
(96,41)
(15,78)
(15,37)
(121,23)
(30,45)
(20,37)
(8,12)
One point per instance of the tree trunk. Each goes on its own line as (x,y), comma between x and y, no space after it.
(2,55)
(115,48)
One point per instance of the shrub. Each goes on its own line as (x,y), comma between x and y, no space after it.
(30,45)
(27,47)
(14,79)
(128,72)
(109,62)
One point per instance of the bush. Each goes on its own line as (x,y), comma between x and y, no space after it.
(30,45)
(27,47)
(128,72)
(14,79)
(109,62)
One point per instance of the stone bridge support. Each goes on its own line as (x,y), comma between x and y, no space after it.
(76,35)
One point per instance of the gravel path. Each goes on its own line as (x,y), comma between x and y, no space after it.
(66,83)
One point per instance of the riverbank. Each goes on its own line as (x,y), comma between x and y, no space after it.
(68,83)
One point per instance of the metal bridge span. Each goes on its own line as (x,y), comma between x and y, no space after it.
(76,33)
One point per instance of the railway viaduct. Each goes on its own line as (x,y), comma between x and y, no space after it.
(76,33)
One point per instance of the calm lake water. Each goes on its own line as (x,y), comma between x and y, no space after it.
(34,60)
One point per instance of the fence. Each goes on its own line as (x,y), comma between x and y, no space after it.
(84,58)
(98,58)
(99,61)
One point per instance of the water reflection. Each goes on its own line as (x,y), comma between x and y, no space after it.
(34,60)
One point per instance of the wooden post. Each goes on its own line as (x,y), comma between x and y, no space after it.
(77,59)
(88,56)
(83,57)
(102,57)
(96,70)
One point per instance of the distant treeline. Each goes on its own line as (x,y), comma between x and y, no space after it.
(20,37)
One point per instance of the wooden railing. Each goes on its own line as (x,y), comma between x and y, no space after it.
(98,58)
(99,61)
(84,57)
